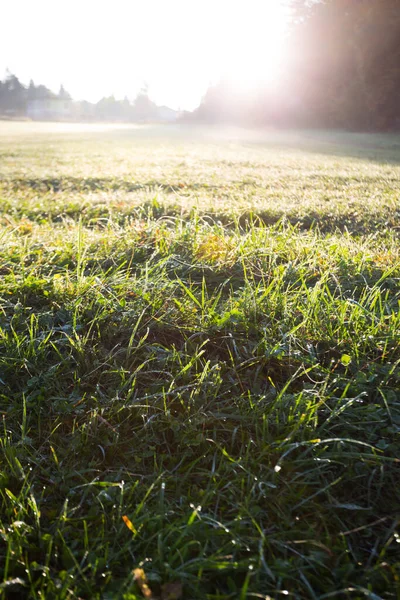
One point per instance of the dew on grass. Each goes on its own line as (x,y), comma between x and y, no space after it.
(284,286)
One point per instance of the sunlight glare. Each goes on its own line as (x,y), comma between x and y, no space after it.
(254,44)
(178,47)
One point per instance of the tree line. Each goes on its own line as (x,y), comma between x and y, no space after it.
(342,70)
(17,100)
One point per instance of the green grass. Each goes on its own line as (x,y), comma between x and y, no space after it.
(199,332)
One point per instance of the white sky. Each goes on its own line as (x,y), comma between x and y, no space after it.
(102,47)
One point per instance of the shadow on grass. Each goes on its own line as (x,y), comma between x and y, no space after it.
(373,147)
(357,224)
(95,184)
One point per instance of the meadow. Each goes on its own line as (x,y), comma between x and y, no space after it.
(199,363)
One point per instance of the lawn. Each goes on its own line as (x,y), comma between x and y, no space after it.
(200,363)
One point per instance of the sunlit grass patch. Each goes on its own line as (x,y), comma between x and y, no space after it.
(202,380)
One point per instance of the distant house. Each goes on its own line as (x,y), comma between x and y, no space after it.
(166,114)
(45,109)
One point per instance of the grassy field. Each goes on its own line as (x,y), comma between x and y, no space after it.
(200,363)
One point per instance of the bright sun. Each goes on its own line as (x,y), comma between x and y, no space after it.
(254,41)
(177,47)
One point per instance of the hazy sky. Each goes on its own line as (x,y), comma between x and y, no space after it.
(103,47)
